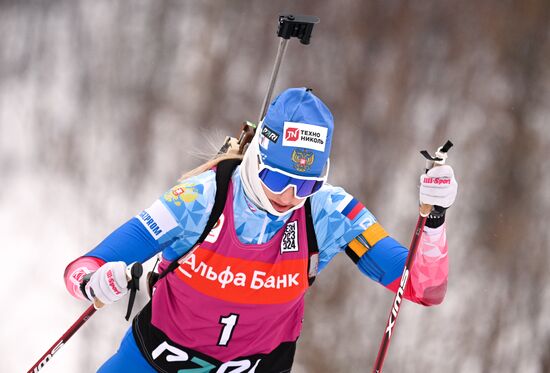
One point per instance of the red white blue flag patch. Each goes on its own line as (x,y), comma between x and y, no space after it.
(351,208)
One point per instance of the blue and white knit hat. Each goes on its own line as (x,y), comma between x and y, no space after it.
(296,133)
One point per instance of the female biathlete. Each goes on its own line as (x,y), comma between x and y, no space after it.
(235,299)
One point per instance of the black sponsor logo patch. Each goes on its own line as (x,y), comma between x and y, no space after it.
(270,134)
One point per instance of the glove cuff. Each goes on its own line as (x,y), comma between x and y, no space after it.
(436,217)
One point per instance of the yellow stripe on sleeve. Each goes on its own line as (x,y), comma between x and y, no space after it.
(357,247)
(362,243)
(374,233)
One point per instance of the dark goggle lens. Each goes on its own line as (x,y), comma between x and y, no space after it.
(308,187)
(277,182)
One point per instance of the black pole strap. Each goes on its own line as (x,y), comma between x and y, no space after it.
(133,286)
(444,149)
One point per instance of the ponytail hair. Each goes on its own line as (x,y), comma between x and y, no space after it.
(211,163)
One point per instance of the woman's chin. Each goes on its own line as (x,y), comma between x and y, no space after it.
(280,208)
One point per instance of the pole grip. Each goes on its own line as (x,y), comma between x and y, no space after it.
(438,159)
(133,274)
(425,209)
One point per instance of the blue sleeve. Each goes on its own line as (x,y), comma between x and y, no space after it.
(338,218)
(130,243)
(342,223)
(384,262)
(172,224)
(189,203)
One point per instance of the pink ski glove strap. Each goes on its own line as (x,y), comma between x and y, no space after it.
(76,270)
(431,266)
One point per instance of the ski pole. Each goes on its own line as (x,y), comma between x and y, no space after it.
(133,273)
(424,211)
(290,26)
(61,341)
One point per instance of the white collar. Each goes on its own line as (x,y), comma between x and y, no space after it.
(252,184)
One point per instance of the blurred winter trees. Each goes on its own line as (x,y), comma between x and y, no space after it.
(103,104)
